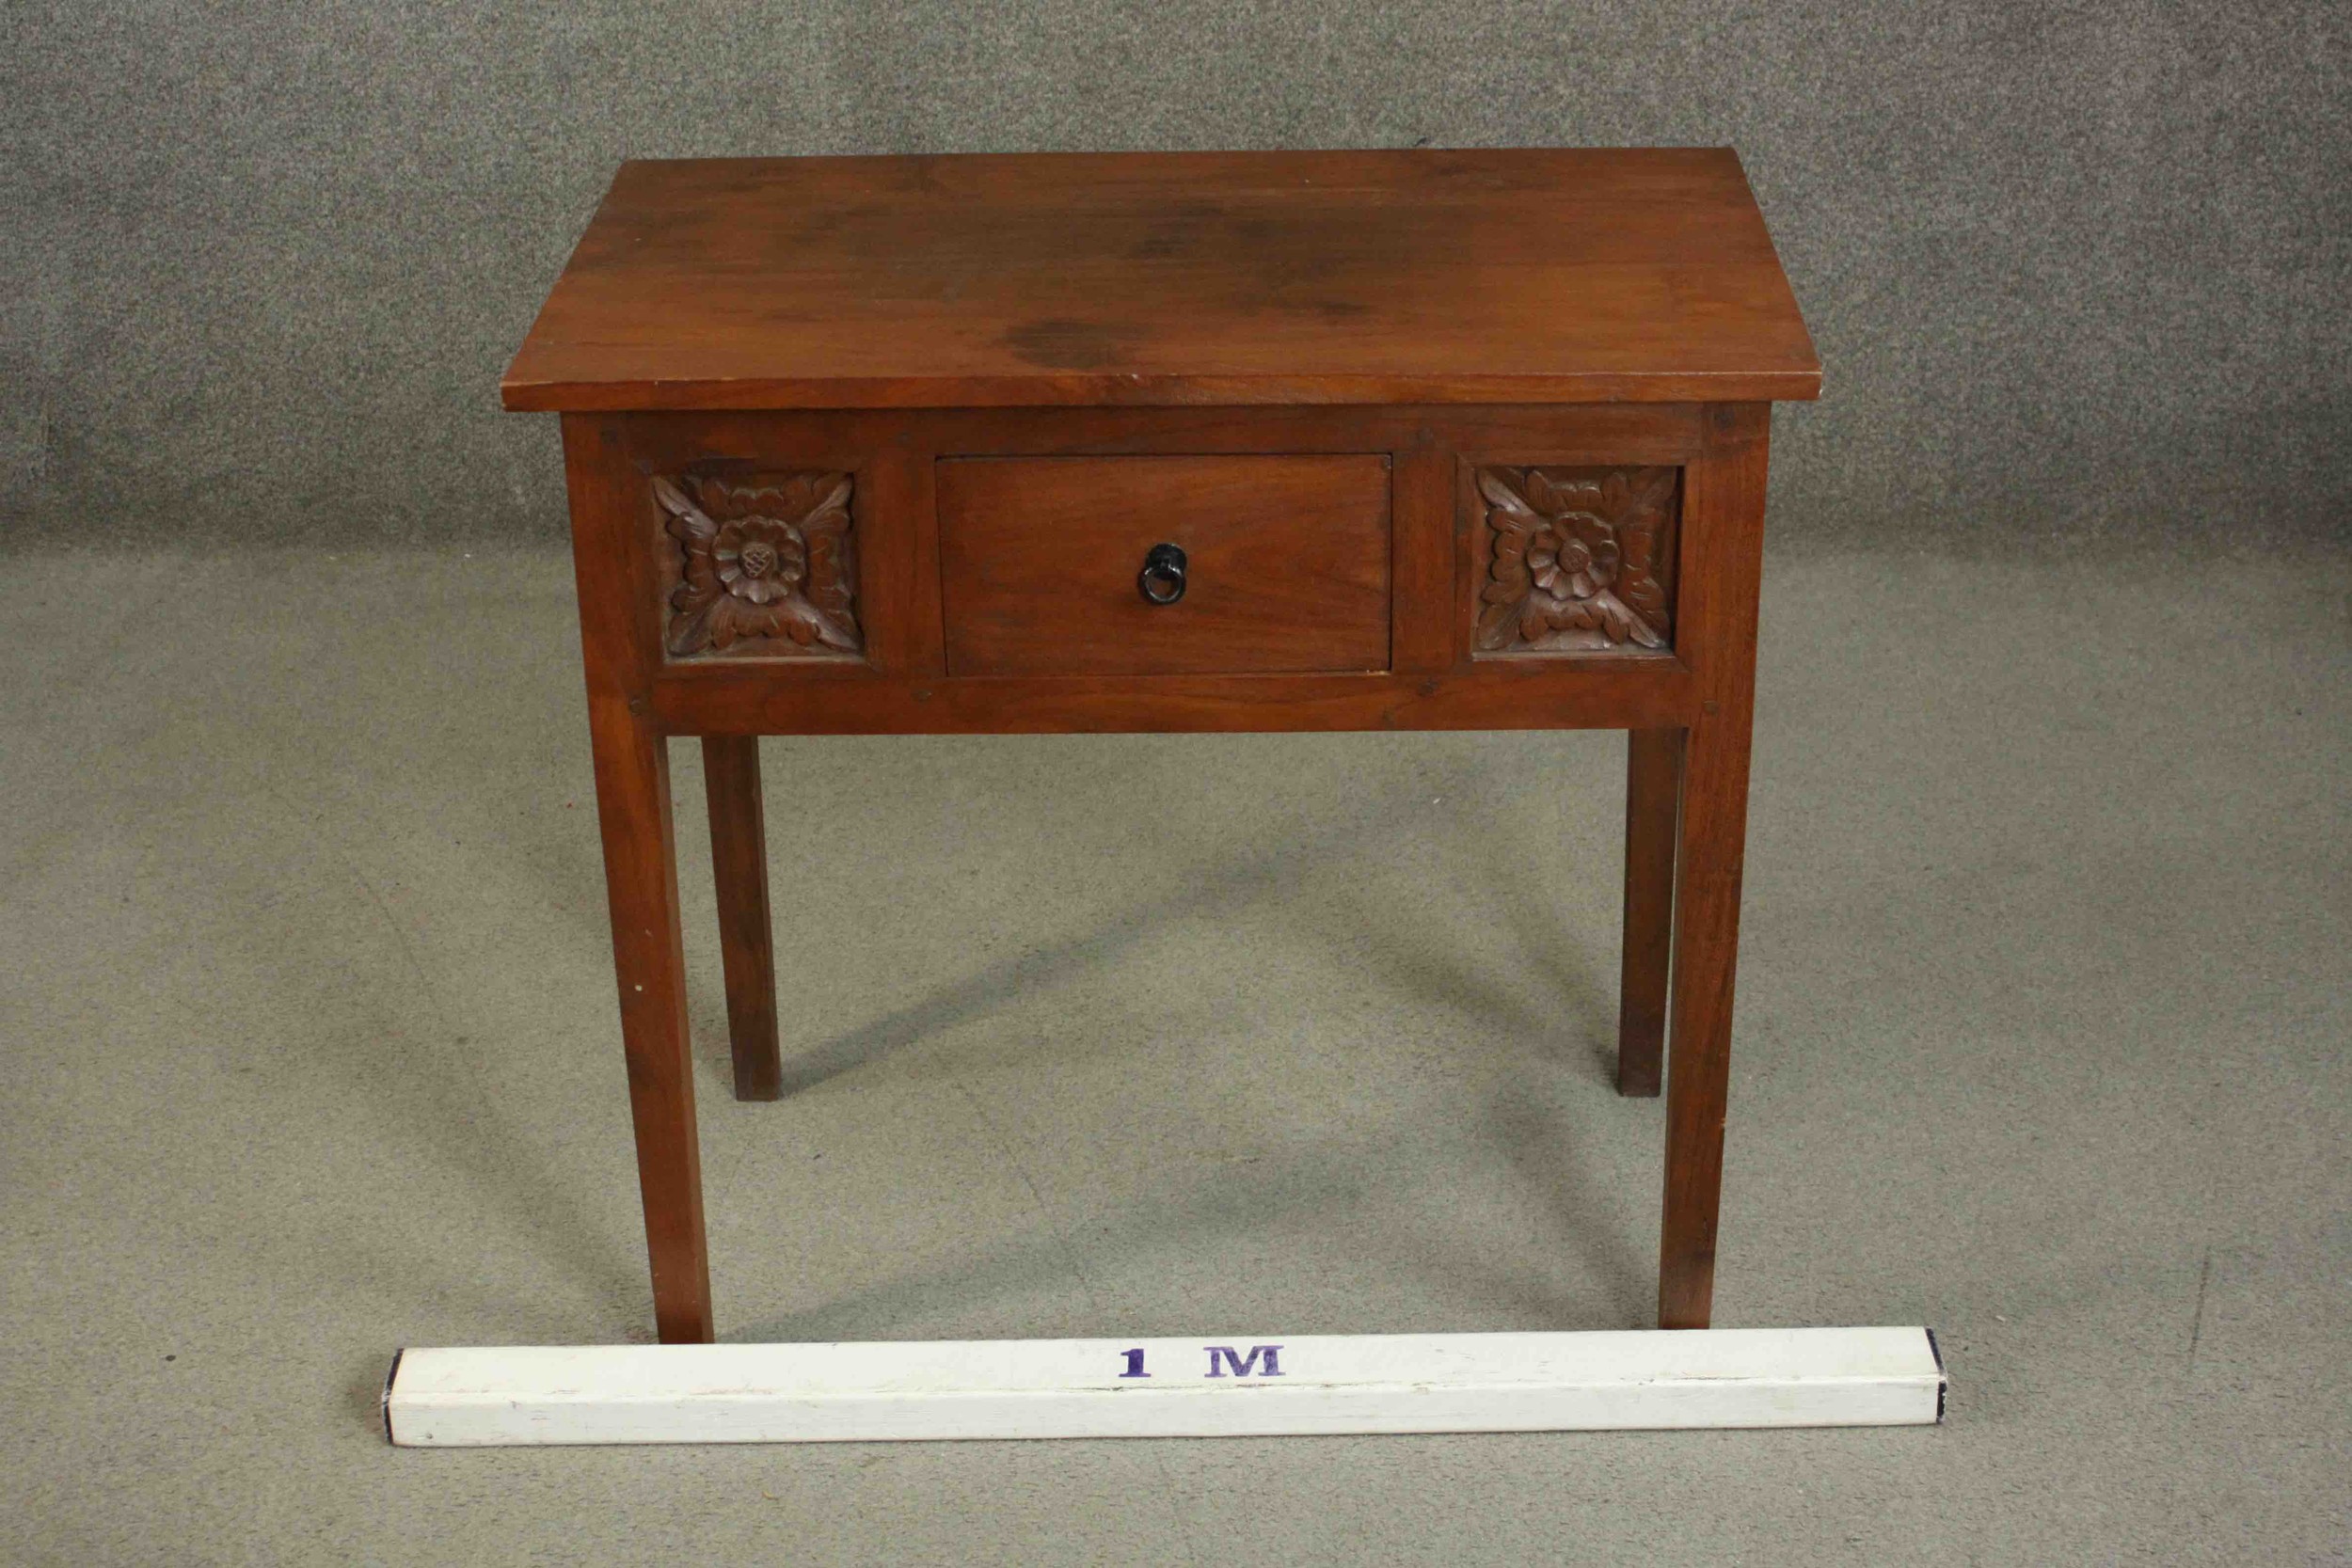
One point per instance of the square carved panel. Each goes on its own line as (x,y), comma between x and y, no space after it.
(758,565)
(1575,560)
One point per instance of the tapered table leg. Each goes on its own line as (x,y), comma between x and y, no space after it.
(1723,509)
(1653,800)
(632,768)
(641,881)
(738,854)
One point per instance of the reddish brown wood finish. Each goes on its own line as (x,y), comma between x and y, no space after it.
(1287,565)
(1600,694)
(1652,801)
(633,768)
(865,441)
(738,854)
(1723,556)
(1402,342)
(1423,532)
(1486,275)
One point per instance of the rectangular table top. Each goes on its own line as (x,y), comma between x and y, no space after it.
(1561,275)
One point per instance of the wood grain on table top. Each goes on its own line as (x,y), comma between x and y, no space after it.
(1567,276)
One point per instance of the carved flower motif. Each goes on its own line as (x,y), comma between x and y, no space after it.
(767,557)
(1574,556)
(1579,558)
(760,559)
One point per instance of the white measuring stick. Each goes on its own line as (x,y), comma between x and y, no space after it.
(1225,1386)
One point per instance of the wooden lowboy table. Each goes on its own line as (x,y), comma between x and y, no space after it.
(1175,442)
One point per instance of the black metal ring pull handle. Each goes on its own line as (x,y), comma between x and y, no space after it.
(1162,580)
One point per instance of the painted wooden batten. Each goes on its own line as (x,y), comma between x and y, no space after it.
(1221,1386)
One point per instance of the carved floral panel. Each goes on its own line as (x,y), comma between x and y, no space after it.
(768,565)
(1576,559)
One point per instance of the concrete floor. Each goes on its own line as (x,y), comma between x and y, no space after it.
(311,1053)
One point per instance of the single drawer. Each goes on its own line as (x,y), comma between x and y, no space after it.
(1284,564)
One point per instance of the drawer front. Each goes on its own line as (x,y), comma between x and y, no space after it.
(1285,564)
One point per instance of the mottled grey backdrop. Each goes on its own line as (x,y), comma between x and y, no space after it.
(2077,272)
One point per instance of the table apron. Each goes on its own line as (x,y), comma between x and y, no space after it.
(1653,692)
